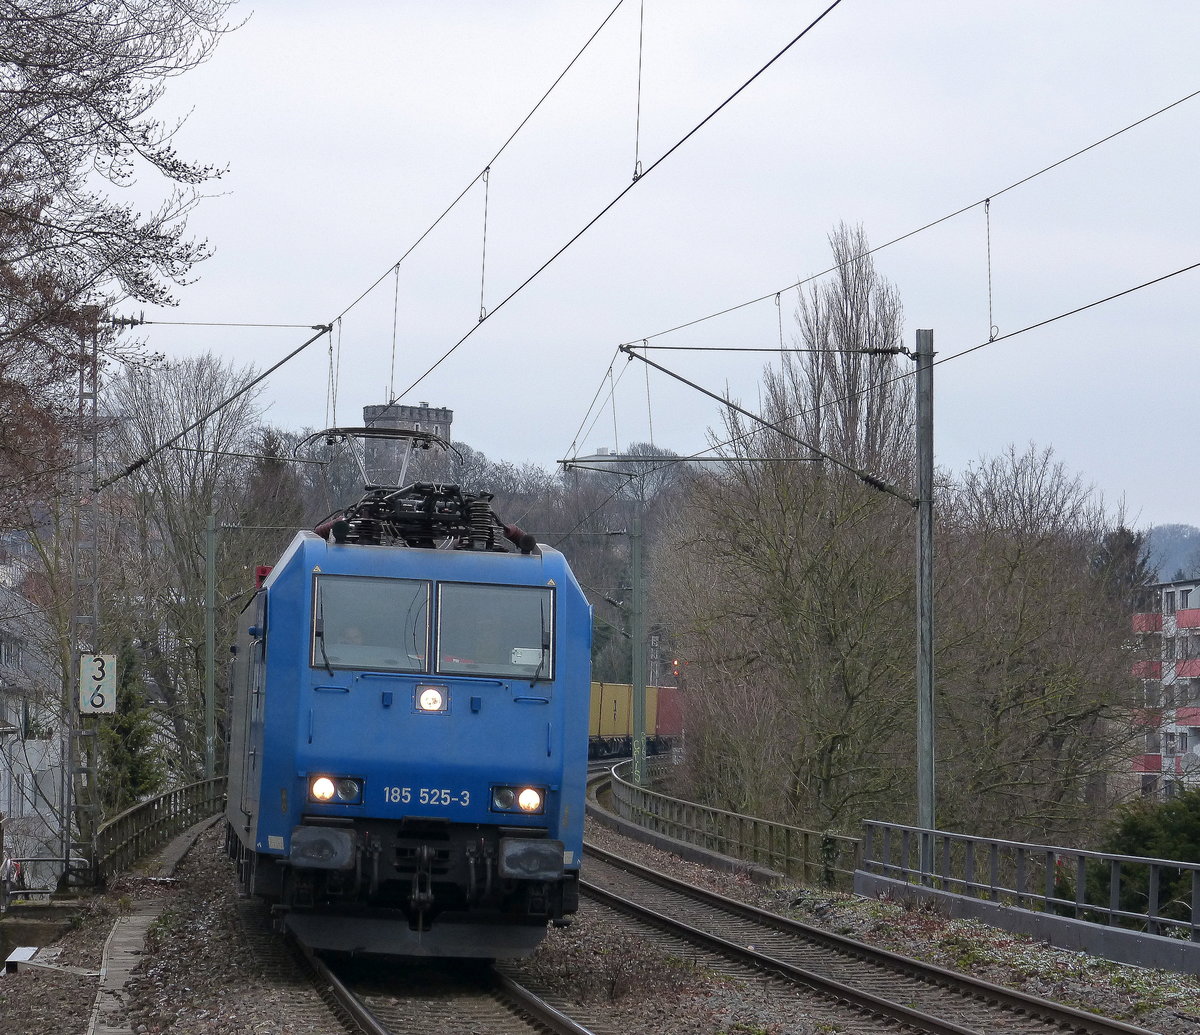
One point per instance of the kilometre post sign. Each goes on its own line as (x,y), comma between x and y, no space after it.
(98,684)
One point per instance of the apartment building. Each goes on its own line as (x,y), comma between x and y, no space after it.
(1170,673)
(31,734)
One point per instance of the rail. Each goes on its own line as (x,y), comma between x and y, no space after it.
(808,855)
(142,829)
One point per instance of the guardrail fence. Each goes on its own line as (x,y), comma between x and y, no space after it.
(144,828)
(1126,908)
(807,855)
(1157,896)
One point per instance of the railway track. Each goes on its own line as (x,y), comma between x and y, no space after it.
(833,973)
(448,997)
(382,998)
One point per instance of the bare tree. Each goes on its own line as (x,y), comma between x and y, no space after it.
(1036,696)
(791,588)
(156,583)
(80,79)
(843,390)
(787,588)
(787,578)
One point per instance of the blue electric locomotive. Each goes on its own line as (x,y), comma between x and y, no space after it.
(408,731)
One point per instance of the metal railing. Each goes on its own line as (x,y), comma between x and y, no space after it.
(144,828)
(808,855)
(1157,896)
(1131,909)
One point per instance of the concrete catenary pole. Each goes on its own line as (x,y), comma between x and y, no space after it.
(210,646)
(926,814)
(637,622)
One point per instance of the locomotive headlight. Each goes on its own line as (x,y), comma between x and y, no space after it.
(507,798)
(349,791)
(432,698)
(344,790)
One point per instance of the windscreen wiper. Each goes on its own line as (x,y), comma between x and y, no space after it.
(319,632)
(545,644)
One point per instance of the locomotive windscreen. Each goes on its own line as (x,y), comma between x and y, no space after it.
(495,630)
(370,623)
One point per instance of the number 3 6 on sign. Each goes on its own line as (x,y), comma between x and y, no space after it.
(97,684)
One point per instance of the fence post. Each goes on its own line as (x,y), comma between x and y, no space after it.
(1152,903)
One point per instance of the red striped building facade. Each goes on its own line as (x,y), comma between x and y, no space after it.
(1170,673)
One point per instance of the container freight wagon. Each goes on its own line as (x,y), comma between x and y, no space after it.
(610,727)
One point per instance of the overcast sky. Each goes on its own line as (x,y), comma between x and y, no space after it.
(348,128)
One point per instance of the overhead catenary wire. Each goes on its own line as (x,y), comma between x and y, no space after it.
(649,406)
(775,426)
(1070,312)
(487,177)
(612,395)
(249,456)
(580,432)
(637,124)
(145,458)
(129,469)
(918,230)
(395,330)
(865,476)
(478,176)
(139,321)
(604,211)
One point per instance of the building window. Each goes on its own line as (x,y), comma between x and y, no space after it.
(1153,743)
(1154,696)
(1184,596)
(1168,601)
(10,651)
(1169,648)
(1149,783)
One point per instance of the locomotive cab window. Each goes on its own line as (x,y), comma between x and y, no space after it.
(371,623)
(503,631)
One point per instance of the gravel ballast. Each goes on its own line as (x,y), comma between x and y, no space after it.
(199,974)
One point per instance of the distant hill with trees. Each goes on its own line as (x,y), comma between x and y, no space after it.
(1175,551)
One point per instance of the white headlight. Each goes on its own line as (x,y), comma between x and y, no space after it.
(431,698)
(321,789)
(530,800)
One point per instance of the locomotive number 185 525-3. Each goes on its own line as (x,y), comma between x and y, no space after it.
(425,796)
